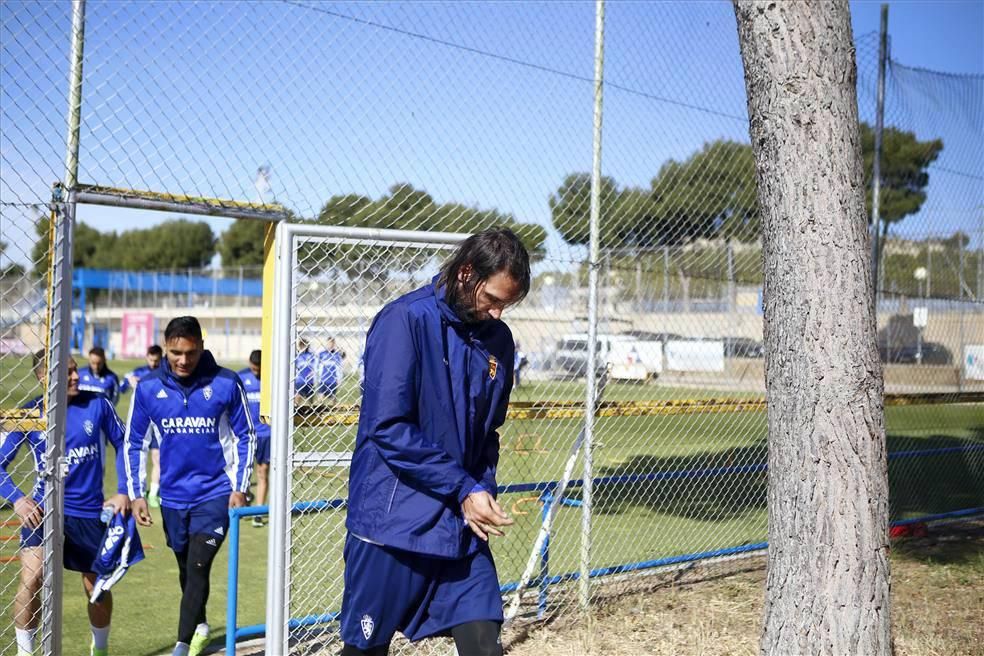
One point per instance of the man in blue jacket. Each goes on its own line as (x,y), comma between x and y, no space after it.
(91,422)
(200,416)
(99,378)
(438,373)
(251,381)
(154,356)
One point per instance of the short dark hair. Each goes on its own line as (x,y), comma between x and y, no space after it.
(98,350)
(38,359)
(183,327)
(154,349)
(254,357)
(488,252)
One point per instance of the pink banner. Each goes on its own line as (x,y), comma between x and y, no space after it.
(137,333)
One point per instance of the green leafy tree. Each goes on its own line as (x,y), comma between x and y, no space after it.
(178,244)
(12,270)
(570,209)
(403,207)
(712,194)
(90,248)
(241,244)
(903,171)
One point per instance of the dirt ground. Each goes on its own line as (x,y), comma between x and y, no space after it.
(937,596)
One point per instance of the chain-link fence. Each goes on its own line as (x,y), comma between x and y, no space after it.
(456,116)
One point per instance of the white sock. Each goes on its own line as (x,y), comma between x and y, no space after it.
(180,649)
(154,489)
(25,639)
(202,629)
(100,637)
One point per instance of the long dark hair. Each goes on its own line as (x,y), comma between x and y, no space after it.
(487,252)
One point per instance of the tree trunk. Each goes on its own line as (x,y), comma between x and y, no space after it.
(828,573)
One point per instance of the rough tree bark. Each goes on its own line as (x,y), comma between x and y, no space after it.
(828,573)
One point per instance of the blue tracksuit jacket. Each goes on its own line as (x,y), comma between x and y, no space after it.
(436,390)
(108,384)
(204,429)
(91,422)
(139,373)
(306,370)
(252,385)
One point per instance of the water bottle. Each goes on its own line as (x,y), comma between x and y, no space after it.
(106,516)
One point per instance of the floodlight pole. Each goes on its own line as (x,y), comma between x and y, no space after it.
(876,166)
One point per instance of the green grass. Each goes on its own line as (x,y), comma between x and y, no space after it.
(635,522)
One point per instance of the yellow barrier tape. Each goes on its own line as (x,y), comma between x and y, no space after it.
(348,414)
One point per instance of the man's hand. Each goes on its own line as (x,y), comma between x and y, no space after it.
(237,500)
(30,513)
(139,509)
(483,515)
(120,503)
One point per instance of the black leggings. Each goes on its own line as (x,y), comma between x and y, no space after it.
(471,639)
(194,567)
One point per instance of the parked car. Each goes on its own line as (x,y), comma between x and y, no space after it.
(932,353)
(742,347)
(646,336)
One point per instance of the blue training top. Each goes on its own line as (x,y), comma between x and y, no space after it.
(91,421)
(205,431)
(108,384)
(139,373)
(252,385)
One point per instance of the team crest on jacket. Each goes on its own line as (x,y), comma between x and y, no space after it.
(367,626)
(493,366)
(207,392)
(87,425)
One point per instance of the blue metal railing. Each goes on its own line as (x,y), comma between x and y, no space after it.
(544,580)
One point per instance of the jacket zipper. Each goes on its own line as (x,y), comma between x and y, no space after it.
(389,506)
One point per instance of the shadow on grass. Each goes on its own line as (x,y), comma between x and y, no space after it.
(719,485)
(959,543)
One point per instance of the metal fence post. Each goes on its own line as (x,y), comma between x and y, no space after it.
(585,580)
(60,313)
(276,636)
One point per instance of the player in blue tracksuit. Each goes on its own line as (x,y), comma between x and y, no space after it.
(199,414)
(99,378)
(330,370)
(154,356)
(91,421)
(305,372)
(251,381)
(421,505)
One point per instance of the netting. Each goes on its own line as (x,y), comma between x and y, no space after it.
(456,116)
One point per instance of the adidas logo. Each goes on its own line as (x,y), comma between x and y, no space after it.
(211,542)
(220,531)
(162,394)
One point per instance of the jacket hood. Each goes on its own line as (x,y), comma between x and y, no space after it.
(447,312)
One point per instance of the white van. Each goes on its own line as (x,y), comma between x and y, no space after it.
(629,357)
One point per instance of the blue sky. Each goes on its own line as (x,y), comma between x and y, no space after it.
(192,98)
